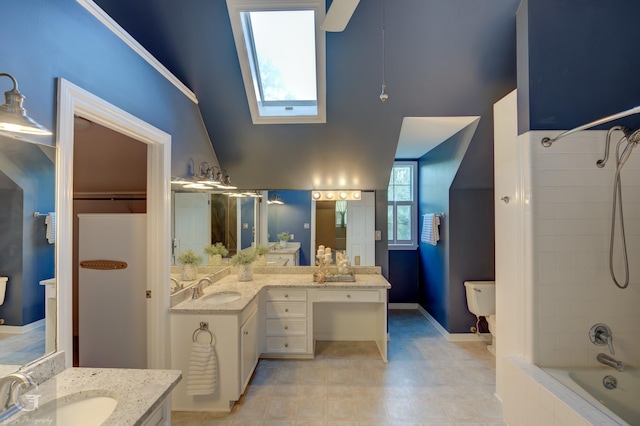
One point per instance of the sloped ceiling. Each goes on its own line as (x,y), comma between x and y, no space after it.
(444,58)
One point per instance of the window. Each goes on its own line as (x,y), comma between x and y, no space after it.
(402,205)
(281,51)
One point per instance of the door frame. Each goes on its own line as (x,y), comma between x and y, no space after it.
(73,100)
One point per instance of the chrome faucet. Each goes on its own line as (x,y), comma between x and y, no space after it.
(10,386)
(197,289)
(600,334)
(610,361)
(177,287)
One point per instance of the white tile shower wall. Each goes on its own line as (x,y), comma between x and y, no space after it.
(571,208)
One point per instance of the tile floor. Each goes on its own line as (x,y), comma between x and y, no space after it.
(22,348)
(428,381)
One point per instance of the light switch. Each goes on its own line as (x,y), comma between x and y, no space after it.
(378,235)
(245,226)
(307,226)
(291,237)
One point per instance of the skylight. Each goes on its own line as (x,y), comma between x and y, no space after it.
(281,53)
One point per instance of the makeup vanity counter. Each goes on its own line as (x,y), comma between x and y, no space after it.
(279,314)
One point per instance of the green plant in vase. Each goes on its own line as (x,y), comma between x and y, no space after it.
(216,252)
(261,254)
(284,238)
(243,260)
(189,261)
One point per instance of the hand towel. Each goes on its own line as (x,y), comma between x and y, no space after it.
(50,222)
(203,370)
(430,233)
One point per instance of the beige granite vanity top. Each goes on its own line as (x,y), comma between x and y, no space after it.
(269,277)
(138,392)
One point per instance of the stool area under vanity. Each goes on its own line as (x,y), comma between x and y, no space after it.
(281,313)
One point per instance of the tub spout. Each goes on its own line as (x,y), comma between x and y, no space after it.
(610,361)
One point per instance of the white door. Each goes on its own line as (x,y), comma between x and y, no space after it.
(361,228)
(192,222)
(112,304)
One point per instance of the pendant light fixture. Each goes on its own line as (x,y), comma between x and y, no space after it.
(13,117)
(383,94)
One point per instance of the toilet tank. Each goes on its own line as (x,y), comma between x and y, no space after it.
(481,297)
(3,288)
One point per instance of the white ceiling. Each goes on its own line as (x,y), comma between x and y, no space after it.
(420,135)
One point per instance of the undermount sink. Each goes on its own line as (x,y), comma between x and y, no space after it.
(80,409)
(221,297)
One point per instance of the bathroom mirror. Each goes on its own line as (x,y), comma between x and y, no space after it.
(27,251)
(202,218)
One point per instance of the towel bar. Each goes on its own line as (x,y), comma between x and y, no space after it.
(204,326)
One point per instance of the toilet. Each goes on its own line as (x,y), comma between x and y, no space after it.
(481,300)
(3,288)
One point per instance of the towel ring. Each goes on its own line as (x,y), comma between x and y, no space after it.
(204,326)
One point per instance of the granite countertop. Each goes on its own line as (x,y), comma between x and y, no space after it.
(291,248)
(138,392)
(249,289)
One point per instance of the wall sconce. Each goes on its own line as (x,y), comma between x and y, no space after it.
(346,195)
(13,117)
(274,198)
(206,179)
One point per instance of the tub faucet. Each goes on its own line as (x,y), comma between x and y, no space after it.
(197,289)
(10,386)
(610,361)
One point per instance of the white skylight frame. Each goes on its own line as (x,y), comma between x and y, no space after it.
(277,114)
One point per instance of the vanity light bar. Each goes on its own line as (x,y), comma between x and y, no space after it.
(346,195)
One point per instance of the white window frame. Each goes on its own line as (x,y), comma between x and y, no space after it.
(235,8)
(411,244)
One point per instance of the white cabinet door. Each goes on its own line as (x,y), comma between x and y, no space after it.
(249,349)
(361,228)
(192,222)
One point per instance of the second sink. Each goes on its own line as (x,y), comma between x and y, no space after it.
(221,297)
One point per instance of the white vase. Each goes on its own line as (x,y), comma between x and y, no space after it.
(215,259)
(245,272)
(189,272)
(283,243)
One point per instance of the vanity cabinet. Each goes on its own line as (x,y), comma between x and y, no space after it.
(287,325)
(236,343)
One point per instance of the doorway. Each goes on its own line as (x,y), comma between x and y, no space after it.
(75,101)
(109,210)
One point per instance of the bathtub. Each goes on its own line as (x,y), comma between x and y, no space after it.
(622,404)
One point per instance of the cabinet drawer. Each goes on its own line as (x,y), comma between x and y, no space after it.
(286,309)
(286,327)
(286,294)
(348,296)
(286,344)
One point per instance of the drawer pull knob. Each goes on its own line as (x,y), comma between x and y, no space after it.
(286,310)
(246,333)
(348,296)
(286,295)
(286,327)
(286,345)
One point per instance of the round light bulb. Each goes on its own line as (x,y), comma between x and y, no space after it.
(343,195)
(316,195)
(330,195)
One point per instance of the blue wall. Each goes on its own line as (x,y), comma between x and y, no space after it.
(45,40)
(403,276)
(290,217)
(577,62)
(247,216)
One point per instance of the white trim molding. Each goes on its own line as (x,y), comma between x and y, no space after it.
(73,100)
(123,35)
(455,337)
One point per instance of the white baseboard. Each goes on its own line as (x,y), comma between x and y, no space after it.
(454,337)
(21,329)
